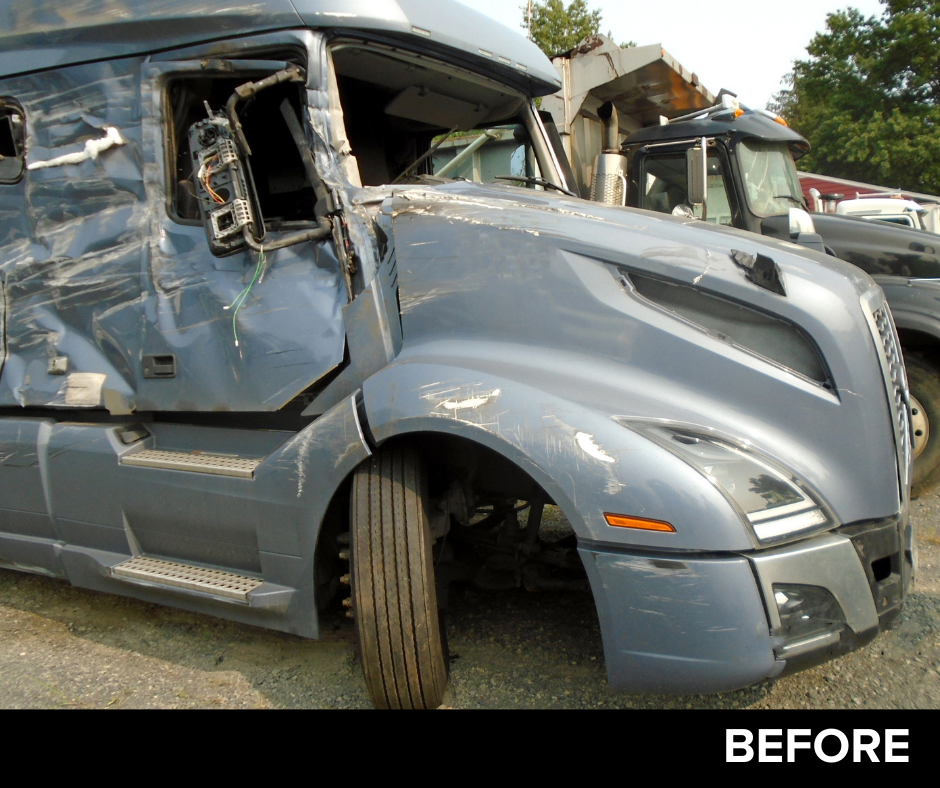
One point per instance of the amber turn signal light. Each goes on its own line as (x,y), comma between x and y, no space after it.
(622,521)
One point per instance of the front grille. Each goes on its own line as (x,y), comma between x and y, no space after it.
(892,364)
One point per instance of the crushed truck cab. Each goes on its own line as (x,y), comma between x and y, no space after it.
(299,309)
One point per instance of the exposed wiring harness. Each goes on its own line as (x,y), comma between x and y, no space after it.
(242,297)
(205,178)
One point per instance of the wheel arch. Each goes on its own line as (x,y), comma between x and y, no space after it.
(450,449)
(586,460)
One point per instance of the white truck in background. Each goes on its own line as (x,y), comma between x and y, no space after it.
(892,208)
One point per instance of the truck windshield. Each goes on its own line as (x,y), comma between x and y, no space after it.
(771,183)
(399,116)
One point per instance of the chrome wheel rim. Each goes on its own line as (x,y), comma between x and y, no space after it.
(920,427)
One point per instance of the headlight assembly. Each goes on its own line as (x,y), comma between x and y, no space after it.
(776,506)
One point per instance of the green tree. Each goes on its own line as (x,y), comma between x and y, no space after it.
(868,96)
(556,28)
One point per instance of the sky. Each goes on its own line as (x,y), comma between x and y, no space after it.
(745,46)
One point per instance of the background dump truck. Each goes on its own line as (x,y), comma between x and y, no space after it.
(261,354)
(628,119)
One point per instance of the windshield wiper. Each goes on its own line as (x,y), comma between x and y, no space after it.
(789,197)
(537,182)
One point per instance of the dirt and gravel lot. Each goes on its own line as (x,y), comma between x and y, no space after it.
(63,647)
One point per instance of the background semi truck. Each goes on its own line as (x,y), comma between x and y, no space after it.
(258,357)
(628,119)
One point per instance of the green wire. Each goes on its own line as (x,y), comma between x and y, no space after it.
(242,297)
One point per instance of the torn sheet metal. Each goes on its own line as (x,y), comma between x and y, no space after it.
(93,268)
(43,35)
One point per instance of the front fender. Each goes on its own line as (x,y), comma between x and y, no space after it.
(581,457)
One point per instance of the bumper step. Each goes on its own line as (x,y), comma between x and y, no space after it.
(192,578)
(194,462)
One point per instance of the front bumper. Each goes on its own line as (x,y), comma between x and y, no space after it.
(710,623)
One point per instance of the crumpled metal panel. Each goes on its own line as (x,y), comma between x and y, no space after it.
(92,268)
(43,34)
(72,264)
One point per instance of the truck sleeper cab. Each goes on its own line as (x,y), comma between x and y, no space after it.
(262,352)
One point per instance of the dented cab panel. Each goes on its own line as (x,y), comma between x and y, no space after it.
(99,284)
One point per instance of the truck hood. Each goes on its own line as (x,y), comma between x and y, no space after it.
(535,288)
(687,250)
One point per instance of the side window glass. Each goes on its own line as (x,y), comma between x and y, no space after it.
(12,141)
(664,187)
(283,190)
(717,204)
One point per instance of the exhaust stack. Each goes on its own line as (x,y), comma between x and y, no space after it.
(609,184)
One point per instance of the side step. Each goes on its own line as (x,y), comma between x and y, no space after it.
(194,462)
(193,578)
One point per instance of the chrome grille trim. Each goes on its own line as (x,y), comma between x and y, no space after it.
(885,336)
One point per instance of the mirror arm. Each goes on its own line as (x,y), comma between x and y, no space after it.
(310,167)
(324,229)
(248,90)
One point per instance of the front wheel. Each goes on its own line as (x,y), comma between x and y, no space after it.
(924,380)
(394,598)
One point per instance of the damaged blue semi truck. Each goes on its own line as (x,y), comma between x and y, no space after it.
(255,357)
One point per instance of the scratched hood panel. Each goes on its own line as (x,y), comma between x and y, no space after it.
(525,287)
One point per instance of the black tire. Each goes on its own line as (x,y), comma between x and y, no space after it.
(924,380)
(394,598)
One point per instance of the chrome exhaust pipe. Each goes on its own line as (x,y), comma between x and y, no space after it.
(609,184)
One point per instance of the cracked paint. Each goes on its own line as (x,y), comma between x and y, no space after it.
(701,275)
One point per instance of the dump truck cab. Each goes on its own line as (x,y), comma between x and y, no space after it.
(300,308)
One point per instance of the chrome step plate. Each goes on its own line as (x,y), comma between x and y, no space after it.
(194,462)
(193,578)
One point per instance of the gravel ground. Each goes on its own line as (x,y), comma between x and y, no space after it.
(66,647)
